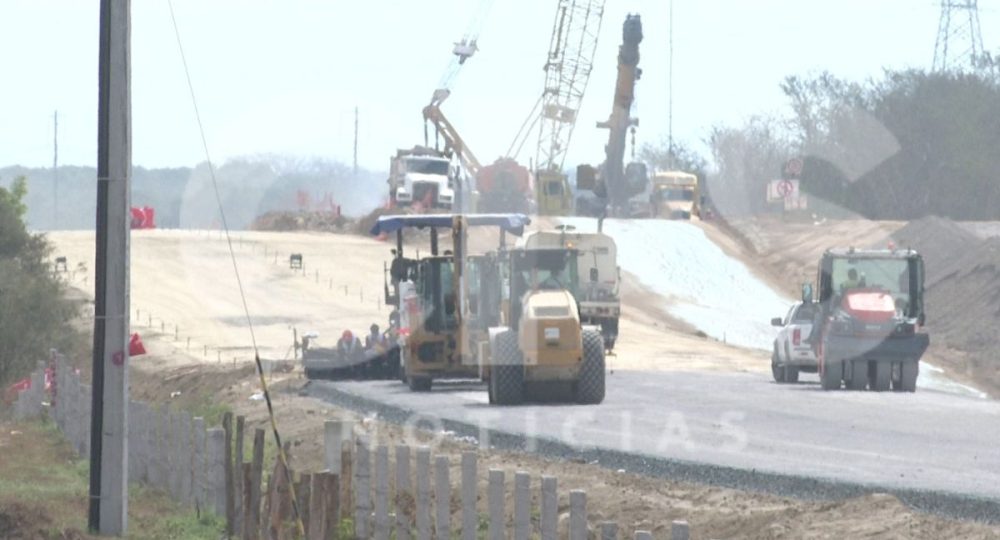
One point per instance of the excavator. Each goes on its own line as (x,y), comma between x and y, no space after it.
(615,183)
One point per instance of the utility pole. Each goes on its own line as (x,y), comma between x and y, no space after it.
(355,142)
(108,512)
(670,87)
(55,170)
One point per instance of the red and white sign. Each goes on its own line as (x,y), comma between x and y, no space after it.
(778,190)
(793,167)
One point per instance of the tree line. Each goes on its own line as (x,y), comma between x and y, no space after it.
(901,146)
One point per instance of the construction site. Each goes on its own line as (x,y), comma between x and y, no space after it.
(725,348)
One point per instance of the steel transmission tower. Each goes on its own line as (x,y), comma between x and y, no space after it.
(959,42)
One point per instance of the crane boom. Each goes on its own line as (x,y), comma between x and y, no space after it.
(452,140)
(570,60)
(613,174)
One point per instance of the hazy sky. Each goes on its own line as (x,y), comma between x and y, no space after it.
(285,76)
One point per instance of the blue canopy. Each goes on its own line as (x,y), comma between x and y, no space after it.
(512,223)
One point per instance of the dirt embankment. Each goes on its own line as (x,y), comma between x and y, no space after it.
(962,299)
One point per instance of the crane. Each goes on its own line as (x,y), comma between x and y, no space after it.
(570,60)
(616,181)
(463,50)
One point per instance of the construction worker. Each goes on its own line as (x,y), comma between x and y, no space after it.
(851,282)
(374,338)
(349,347)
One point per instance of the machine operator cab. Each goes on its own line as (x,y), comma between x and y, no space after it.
(858,283)
(542,299)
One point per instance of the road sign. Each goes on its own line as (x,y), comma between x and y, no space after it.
(793,168)
(778,190)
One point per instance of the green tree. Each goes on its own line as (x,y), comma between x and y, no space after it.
(34,314)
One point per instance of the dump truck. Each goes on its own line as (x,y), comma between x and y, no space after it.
(438,321)
(599,276)
(422,177)
(675,195)
(869,326)
(542,350)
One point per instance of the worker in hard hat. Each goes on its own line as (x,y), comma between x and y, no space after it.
(349,347)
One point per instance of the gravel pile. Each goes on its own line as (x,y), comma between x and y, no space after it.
(963,291)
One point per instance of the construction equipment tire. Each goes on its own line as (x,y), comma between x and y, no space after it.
(831,373)
(859,375)
(908,372)
(419,384)
(507,373)
(880,376)
(590,386)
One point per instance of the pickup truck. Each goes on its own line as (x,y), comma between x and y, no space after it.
(792,352)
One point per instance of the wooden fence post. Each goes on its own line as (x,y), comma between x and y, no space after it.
(470,491)
(163,448)
(257,469)
(442,499)
(216,470)
(331,504)
(194,480)
(522,506)
(363,491)
(346,478)
(403,493)
(303,497)
(198,488)
(423,493)
(577,515)
(679,530)
(248,531)
(238,471)
(229,486)
(317,500)
(335,432)
(550,508)
(382,525)
(495,495)
(609,530)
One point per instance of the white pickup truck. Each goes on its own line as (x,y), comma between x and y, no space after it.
(792,353)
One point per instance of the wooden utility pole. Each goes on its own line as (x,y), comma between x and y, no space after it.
(108,513)
(355,143)
(55,170)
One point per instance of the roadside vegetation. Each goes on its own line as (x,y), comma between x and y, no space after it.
(43,493)
(35,315)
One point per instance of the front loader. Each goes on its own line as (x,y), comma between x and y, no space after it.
(437,322)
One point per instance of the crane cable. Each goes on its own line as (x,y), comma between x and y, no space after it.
(239,282)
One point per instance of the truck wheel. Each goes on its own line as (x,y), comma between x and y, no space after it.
(590,386)
(791,372)
(859,375)
(830,373)
(908,372)
(880,376)
(507,375)
(420,384)
(777,371)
